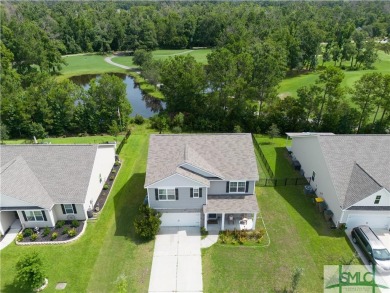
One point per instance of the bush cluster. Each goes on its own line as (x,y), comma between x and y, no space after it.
(241,236)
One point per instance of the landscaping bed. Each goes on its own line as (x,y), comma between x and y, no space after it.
(107,187)
(63,231)
(241,237)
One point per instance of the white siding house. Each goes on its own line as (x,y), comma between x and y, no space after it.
(41,184)
(351,173)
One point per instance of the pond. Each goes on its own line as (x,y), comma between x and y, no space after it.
(142,104)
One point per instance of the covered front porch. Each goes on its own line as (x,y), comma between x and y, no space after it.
(230,212)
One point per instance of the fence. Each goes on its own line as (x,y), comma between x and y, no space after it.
(124,140)
(262,157)
(273,182)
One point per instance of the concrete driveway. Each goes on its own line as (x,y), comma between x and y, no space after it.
(177,262)
(384,236)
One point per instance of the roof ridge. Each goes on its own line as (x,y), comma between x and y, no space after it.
(361,168)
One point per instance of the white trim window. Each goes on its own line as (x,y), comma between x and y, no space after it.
(34,216)
(166,194)
(196,193)
(68,209)
(237,186)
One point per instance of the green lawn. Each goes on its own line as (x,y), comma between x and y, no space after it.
(300,238)
(289,86)
(108,249)
(200,56)
(87,64)
(276,154)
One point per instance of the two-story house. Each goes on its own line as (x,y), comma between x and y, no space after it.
(202,179)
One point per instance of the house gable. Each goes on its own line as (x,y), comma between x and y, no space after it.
(8,201)
(176,180)
(370,200)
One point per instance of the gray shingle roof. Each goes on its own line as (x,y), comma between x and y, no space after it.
(231,204)
(47,174)
(230,155)
(358,164)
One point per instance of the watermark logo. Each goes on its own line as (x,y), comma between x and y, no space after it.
(352,278)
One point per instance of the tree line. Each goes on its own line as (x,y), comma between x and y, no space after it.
(237,92)
(36,104)
(255,46)
(37,33)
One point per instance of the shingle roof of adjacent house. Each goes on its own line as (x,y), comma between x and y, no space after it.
(230,156)
(358,164)
(47,174)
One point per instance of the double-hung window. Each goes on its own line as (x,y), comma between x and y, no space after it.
(166,194)
(196,192)
(237,186)
(68,209)
(377,199)
(34,216)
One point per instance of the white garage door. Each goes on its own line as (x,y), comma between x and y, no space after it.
(180,219)
(374,221)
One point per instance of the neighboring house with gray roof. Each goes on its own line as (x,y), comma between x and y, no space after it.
(202,179)
(352,174)
(41,184)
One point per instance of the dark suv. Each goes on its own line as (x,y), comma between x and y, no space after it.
(372,247)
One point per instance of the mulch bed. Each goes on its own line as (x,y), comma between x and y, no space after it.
(105,192)
(60,237)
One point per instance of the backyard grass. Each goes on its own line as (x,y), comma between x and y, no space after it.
(289,86)
(108,250)
(300,238)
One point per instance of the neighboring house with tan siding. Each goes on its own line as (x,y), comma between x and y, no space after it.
(41,184)
(202,179)
(352,174)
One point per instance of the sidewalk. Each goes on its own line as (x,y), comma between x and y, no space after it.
(11,234)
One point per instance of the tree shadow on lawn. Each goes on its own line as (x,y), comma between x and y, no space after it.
(14,287)
(126,204)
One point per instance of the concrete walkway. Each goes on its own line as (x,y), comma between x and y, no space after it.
(108,60)
(11,234)
(209,240)
(177,262)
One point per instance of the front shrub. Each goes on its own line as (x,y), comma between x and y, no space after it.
(112,178)
(72,232)
(105,187)
(34,237)
(46,232)
(27,232)
(203,231)
(19,237)
(116,163)
(60,224)
(54,236)
(113,171)
(75,224)
(65,231)
(147,222)
(138,119)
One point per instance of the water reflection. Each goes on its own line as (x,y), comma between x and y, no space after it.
(142,104)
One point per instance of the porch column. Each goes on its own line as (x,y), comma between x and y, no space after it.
(223,222)
(205,221)
(254,220)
